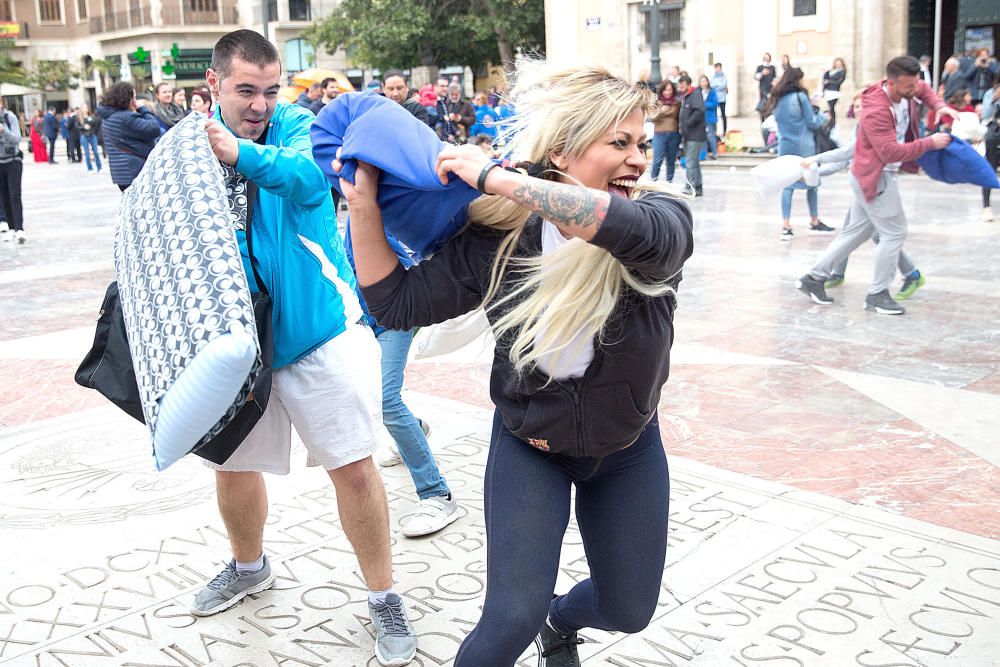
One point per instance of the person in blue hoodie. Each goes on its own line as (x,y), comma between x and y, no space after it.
(327,377)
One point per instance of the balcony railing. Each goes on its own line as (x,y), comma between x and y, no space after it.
(169,16)
(136,17)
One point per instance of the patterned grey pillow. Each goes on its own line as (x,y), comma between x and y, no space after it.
(182,283)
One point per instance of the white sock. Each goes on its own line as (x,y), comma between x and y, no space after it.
(378,597)
(253,566)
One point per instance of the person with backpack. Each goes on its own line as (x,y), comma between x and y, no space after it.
(11,167)
(90,127)
(130,132)
(797,123)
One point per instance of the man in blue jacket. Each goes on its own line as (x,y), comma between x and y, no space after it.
(51,128)
(327,377)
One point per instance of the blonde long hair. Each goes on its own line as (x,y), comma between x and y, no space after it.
(573,290)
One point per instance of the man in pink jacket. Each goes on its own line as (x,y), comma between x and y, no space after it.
(888,141)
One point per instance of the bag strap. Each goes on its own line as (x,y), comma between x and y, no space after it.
(251,201)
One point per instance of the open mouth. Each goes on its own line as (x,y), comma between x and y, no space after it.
(622,186)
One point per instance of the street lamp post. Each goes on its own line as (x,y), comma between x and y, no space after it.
(653,9)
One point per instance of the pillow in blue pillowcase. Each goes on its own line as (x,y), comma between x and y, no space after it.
(417,208)
(958,162)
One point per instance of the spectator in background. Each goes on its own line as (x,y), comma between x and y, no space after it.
(165,110)
(786,64)
(130,131)
(951,78)
(925,70)
(797,123)
(11,169)
(458,116)
(308,96)
(330,91)
(201,101)
(833,79)
(711,115)
(51,128)
(675,74)
(720,84)
(980,74)
(765,76)
(486,119)
(692,127)
(180,98)
(37,134)
(397,88)
(666,137)
(73,135)
(961,101)
(90,127)
(64,133)
(428,99)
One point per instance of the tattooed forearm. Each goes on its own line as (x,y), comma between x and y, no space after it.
(570,205)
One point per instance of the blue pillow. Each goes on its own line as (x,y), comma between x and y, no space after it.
(958,162)
(416,207)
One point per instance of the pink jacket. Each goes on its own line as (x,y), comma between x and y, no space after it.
(877,145)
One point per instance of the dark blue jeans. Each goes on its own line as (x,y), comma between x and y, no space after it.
(666,145)
(621,509)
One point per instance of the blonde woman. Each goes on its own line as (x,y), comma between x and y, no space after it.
(576,266)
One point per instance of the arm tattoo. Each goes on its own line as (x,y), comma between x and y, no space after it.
(562,203)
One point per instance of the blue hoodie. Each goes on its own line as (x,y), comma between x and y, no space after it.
(299,254)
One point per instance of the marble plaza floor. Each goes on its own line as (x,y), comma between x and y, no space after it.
(835,495)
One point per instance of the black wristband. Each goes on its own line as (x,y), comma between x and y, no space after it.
(481,181)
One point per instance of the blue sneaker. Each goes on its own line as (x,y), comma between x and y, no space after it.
(395,639)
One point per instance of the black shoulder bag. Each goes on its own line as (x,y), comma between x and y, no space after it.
(108,366)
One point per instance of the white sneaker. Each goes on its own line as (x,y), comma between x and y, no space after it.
(5,231)
(430,516)
(19,236)
(987,214)
(389,457)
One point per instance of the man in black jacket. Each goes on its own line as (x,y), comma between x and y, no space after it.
(692,128)
(397,88)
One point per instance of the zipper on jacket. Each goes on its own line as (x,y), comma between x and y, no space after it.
(574,392)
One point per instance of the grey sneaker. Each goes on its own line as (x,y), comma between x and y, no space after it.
(395,639)
(229,587)
(883,304)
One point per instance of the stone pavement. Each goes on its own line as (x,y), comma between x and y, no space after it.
(834,481)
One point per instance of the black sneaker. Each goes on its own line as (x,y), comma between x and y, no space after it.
(698,192)
(556,650)
(787,234)
(820,228)
(883,304)
(813,289)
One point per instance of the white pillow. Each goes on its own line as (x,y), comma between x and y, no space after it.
(203,391)
(776,174)
(450,335)
(184,294)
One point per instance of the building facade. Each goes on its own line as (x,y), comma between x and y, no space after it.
(695,34)
(147,41)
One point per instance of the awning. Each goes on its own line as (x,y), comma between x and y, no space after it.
(12,89)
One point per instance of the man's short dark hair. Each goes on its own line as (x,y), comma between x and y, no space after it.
(395,72)
(902,66)
(685,78)
(161,85)
(315,86)
(326,82)
(246,45)
(718,64)
(119,95)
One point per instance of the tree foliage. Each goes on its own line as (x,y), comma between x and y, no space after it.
(407,33)
(10,70)
(53,75)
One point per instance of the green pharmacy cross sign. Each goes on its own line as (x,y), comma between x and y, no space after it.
(141,55)
(168,65)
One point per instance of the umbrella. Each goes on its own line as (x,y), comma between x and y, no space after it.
(308,77)
(290,93)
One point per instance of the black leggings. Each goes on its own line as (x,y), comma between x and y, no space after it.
(10,193)
(832,104)
(725,119)
(621,509)
(993,157)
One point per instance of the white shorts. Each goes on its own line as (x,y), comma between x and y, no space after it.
(333,397)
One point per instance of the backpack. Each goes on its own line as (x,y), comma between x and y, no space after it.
(824,142)
(10,148)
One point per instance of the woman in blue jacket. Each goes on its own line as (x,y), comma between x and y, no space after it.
(130,132)
(711,115)
(797,124)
